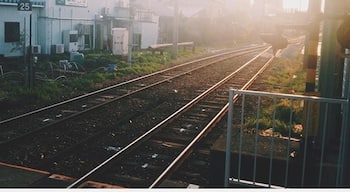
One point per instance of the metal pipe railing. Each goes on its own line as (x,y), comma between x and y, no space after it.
(342,157)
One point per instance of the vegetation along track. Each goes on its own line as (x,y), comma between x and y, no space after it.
(76,147)
(31,122)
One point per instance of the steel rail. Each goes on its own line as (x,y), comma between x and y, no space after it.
(125,83)
(125,95)
(206,129)
(162,123)
(115,99)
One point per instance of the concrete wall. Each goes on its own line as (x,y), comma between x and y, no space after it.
(149,34)
(55,19)
(9,13)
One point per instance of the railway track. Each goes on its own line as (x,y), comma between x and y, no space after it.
(148,160)
(31,122)
(172,132)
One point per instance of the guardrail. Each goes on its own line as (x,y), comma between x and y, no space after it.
(260,157)
(162,47)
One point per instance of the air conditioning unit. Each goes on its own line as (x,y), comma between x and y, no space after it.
(57,49)
(36,49)
(70,40)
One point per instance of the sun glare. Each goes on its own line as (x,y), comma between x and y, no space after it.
(296,5)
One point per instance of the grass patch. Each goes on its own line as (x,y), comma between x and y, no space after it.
(42,92)
(283,117)
(289,79)
(95,66)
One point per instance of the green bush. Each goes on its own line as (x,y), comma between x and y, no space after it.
(42,92)
(262,123)
(282,117)
(291,78)
(279,126)
(283,111)
(143,63)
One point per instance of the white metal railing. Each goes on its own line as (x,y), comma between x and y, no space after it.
(257,156)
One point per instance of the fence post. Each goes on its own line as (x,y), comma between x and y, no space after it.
(228,140)
(344,180)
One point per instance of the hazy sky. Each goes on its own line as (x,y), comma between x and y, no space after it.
(301,5)
(190,7)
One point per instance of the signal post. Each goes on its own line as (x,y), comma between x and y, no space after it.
(27,6)
(331,86)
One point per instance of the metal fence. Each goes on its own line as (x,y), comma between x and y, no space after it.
(284,140)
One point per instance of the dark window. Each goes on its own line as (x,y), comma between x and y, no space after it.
(12,33)
(73,38)
(87,41)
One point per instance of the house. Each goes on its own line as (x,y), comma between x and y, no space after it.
(165,12)
(165,15)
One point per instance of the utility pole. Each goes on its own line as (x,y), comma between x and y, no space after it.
(175,29)
(312,46)
(31,71)
(310,66)
(311,110)
(330,84)
(331,69)
(27,6)
(131,33)
(25,53)
(343,37)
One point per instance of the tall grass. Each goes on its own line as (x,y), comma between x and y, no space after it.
(289,78)
(49,90)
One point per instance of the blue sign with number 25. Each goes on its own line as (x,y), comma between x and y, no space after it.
(24,5)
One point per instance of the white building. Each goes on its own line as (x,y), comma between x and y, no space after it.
(71,25)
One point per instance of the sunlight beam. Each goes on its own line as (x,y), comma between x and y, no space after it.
(295,5)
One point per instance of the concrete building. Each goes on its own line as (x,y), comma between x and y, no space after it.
(71,25)
(14,30)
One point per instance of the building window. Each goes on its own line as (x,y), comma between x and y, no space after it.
(12,33)
(87,41)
